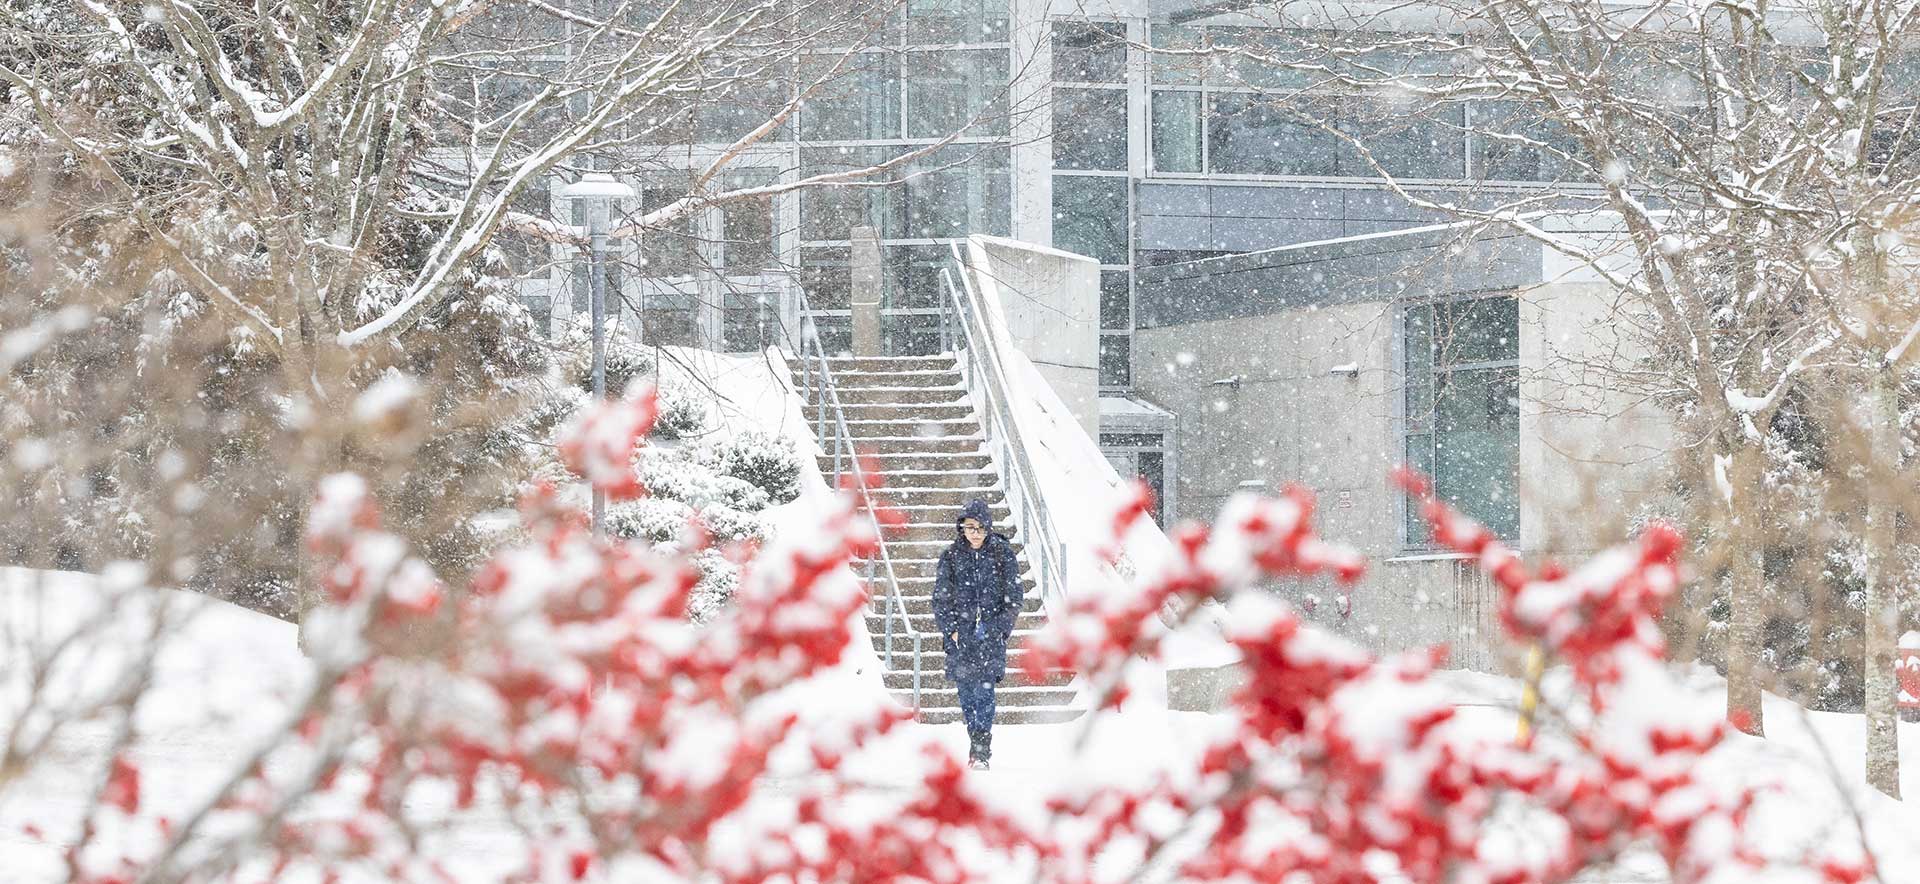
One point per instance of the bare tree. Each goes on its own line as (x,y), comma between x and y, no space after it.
(1756,165)
(301,196)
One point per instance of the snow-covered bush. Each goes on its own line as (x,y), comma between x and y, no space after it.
(767,461)
(658,520)
(690,476)
(730,525)
(683,413)
(719,580)
(626,359)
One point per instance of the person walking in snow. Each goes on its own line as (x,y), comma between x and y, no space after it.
(976,596)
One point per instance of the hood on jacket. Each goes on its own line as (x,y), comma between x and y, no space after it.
(975,509)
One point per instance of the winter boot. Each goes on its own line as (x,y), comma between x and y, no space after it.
(978,748)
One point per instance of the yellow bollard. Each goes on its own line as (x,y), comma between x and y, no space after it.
(1530,694)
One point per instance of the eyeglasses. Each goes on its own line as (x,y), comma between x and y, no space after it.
(973,529)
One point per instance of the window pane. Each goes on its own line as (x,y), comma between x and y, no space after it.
(1089,52)
(1265,54)
(862,102)
(1476,447)
(1172,69)
(1253,135)
(913,276)
(1477,330)
(734,109)
(746,228)
(826,276)
(1116,354)
(540,307)
(951,91)
(1427,144)
(1420,460)
(666,317)
(747,321)
(827,212)
(1153,472)
(836,334)
(963,190)
(1090,216)
(1090,129)
(671,249)
(1419,376)
(1176,131)
(956,21)
(906,334)
(1512,142)
(1116,301)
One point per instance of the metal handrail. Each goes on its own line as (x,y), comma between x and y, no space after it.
(811,352)
(1003,429)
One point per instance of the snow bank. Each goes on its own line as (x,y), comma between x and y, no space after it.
(222,681)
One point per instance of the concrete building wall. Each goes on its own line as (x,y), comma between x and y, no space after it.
(1052,304)
(1293,420)
(1310,394)
(1591,456)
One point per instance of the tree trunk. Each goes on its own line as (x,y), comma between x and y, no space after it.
(1746,590)
(1883,604)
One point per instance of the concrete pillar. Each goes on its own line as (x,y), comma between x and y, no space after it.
(866,294)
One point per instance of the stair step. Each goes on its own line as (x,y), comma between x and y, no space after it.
(910,550)
(907,569)
(1002,697)
(937,680)
(931,514)
(868,411)
(942,531)
(955,498)
(918,606)
(922,620)
(931,652)
(881,363)
(861,380)
(910,429)
(922,587)
(921,478)
(921,464)
(1007,715)
(893,396)
(895,445)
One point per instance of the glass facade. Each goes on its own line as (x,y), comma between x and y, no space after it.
(1092,209)
(1462,363)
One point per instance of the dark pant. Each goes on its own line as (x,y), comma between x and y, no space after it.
(976,709)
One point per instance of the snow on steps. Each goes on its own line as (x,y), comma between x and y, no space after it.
(912,415)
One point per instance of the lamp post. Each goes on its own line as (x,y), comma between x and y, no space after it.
(598,190)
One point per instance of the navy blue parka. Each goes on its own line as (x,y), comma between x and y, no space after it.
(976,586)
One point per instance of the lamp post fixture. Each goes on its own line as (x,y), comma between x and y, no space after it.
(598,190)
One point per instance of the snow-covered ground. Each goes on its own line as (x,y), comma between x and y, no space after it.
(224,676)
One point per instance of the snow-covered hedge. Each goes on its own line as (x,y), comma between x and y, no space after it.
(766,461)
(683,413)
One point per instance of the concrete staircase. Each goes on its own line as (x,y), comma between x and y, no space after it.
(912,416)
